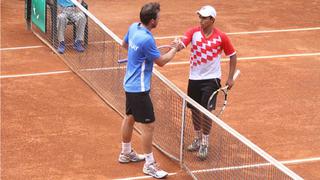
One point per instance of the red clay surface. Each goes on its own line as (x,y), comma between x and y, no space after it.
(56,127)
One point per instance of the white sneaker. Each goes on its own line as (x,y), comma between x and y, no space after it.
(195,145)
(131,157)
(203,152)
(154,170)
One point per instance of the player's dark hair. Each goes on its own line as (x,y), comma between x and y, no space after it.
(149,11)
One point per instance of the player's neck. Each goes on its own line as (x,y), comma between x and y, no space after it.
(208,31)
(149,27)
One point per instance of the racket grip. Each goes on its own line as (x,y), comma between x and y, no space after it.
(236,74)
(120,61)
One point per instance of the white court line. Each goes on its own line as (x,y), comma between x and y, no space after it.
(57,72)
(172,37)
(173,63)
(142,177)
(253,32)
(296,161)
(19,48)
(275,31)
(34,47)
(258,57)
(33,74)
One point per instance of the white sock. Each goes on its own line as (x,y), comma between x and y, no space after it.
(126,148)
(205,139)
(198,134)
(149,158)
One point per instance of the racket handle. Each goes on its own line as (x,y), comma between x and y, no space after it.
(236,74)
(120,61)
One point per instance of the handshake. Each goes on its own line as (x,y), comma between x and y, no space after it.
(177,44)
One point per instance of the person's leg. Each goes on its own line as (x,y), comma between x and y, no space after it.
(127,153)
(127,129)
(150,167)
(207,88)
(62,21)
(196,120)
(143,113)
(147,137)
(79,19)
(194,93)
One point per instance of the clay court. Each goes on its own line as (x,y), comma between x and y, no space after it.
(54,126)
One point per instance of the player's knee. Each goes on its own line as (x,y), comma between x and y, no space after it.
(62,17)
(130,119)
(149,127)
(81,17)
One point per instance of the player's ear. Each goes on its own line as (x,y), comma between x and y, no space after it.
(153,21)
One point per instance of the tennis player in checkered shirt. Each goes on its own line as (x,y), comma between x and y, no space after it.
(207,43)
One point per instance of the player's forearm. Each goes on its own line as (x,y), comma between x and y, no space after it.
(125,45)
(164,59)
(232,66)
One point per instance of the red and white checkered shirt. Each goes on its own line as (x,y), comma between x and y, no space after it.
(206,52)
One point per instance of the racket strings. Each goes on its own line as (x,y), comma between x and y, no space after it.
(218,102)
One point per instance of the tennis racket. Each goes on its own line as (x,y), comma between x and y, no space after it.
(163,50)
(218,100)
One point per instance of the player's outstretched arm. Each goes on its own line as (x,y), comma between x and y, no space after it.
(164,59)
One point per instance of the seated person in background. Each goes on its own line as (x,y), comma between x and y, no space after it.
(69,12)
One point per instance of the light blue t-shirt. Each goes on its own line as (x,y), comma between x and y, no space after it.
(65,3)
(142,51)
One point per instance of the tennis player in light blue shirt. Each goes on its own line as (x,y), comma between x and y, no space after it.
(142,51)
(142,54)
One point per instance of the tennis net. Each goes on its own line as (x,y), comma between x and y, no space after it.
(230,154)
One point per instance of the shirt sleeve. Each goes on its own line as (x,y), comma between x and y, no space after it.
(188,37)
(150,49)
(227,46)
(126,38)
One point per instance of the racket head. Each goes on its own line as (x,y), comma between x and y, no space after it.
(120,61)
(218,101)
(163,50)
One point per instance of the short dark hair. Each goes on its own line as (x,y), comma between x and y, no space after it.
(149,11)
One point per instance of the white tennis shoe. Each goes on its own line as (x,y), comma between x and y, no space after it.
(195,145)
(154,170)
(131,157)
(203,152)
